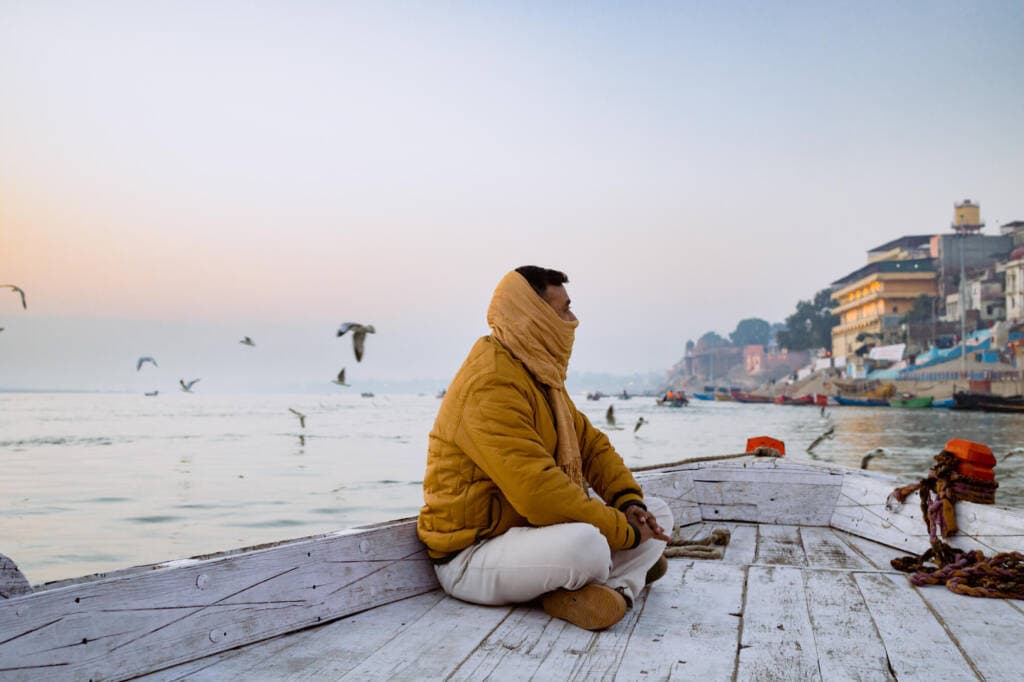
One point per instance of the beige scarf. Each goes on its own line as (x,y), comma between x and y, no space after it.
(534,334)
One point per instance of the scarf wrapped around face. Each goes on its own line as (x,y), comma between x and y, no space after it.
(530,329)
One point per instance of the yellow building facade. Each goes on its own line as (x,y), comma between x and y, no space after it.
(876,297)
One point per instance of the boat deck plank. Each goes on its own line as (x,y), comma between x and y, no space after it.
(777,637)
(786,602)
(917,644)
(848,644)
(985,628)
(780,545)
(689,628)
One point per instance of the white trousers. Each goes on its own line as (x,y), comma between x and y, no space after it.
(524,563)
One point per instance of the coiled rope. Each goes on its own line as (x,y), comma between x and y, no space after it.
(967,572)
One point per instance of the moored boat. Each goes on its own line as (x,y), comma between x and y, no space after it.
(803,590)
(862,402)
(912,401)
(751,398)
(794,400)
(987,402)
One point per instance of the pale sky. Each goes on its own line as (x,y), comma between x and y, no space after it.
(176,175)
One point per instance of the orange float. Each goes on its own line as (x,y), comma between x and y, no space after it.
(766,442)
(973,453)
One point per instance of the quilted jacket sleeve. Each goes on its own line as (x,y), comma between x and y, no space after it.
(603,467)
(497,432)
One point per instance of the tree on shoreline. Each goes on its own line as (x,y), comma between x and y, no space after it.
(811,325)
(752,331)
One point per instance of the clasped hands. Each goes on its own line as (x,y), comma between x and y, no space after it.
(646,523)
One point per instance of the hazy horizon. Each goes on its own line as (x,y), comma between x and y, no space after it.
(178,176)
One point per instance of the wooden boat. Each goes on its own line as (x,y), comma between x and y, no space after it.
(912,401)
(987,402)
(945,402)
(794,400)
(703,396)
(751,398)
(804,591)
(862,402)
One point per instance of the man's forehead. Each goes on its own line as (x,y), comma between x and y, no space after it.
(556,292)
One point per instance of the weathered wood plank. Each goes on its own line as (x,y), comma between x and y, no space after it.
(689,626)
(824,549)
(676,489)
(12,582)
(516,649)
(132,624)
(917,645)
(848,645)
(777,501)
(324,652)
(877,555)
(742,547)
(433,649)
(988,630)
(861,510)
(780,545)
(601,656)
(777,638)
(753,490)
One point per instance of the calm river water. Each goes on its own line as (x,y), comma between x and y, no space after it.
(93,482)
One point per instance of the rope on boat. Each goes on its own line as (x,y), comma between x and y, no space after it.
(710,547)
(757,452)
(967,572)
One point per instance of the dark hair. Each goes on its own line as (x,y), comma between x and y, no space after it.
(541,278)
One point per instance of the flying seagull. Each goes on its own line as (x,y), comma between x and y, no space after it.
(341,378)
(1011,453)
(247,342)
(359,332)
(16,290)
(302,417)
(187,387)
(877,452)
(152,393)
(143,360)
(639,422)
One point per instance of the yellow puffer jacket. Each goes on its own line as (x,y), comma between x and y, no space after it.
(491,465)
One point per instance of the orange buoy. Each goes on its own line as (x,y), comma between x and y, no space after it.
(974,471)
(976,453)
(766,442)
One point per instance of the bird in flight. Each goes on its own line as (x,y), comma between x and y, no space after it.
(359,332)
(187,387)
(16,290)
(302,417)
(639,422)
(247,342)
(143,360)
(341,378)
(877,452)
(152,393)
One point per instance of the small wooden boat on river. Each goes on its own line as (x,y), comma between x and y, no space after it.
(804,591)
(988,402)
(912,401)
(862,402)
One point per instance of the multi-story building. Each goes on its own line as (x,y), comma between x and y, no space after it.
(966,250)
(874,299)
(1014,287)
